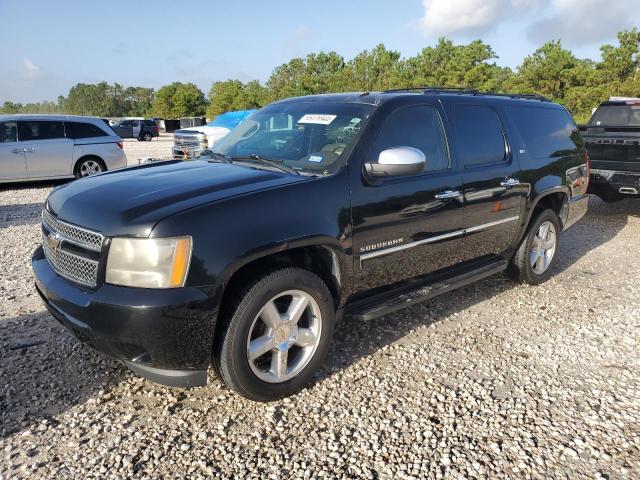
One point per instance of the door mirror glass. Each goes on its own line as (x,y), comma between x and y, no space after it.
(396,162)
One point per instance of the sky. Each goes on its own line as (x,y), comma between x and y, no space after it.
(49,46)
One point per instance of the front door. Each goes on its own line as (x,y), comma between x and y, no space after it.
(12,161)
(407,226)
(47,151)
(493,195)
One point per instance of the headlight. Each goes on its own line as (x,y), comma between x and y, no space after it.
(149,262)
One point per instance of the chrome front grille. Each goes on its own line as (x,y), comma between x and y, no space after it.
(188,141)
(72,233)
(72,265)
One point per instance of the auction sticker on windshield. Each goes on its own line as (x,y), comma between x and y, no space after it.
(317,118)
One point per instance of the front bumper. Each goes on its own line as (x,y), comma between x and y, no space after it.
(164,335)
(186,152)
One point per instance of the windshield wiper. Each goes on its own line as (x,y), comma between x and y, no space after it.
(216,155)
(271,162)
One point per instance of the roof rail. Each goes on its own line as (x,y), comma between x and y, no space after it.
(525,96)
(468,91)
(433,90)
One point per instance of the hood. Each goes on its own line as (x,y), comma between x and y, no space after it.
(205,129)
(131,201)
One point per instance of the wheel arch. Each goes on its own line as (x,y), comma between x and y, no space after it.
(555,199)
(323,259)
(88,156)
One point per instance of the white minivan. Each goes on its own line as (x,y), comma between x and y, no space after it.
(40,147)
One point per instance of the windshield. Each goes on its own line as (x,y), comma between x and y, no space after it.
(310,138)
(230,120)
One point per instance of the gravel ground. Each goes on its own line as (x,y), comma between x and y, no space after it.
(496,380)
(159,147)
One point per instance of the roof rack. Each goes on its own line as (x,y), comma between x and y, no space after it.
(468,91)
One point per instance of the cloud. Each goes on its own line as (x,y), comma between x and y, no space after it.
(30,70)
(303,32)
(469,17)
(575,22)
(584,22)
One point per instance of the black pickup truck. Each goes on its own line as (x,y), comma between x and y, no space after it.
(314,208)
(612,138)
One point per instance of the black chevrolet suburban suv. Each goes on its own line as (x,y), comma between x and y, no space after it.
(612,138)
(314,208)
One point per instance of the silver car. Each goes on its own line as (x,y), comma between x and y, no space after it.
(38,147)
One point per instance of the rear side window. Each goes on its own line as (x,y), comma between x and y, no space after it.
(84,130)
(8,132)
(418,127)
(39,130)
(479,135)
(149,123)
(546,132)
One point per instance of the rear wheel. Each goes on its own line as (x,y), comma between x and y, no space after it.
(147,137)
(276,335)
(534,260)
(89,166)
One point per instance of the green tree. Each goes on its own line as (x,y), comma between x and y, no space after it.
(450,65)
(551,71)
(179,100)
(317,73)
(371,70)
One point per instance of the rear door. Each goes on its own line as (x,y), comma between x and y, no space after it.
(124,129)
(493,194)
(412,225)
(12,161)
(47,150)
(136,128)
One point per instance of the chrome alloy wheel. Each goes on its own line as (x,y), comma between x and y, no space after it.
(89,167)
(284,336)
(543,248)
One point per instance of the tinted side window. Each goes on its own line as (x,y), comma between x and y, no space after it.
(39,130)
(546,132)
(8,132)
(479,135)
(418,127)
(149,123)
(83,130)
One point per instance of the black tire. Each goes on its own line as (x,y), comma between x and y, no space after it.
(609,197)
(147,137)
(230,351)
(521,268)
(84,162)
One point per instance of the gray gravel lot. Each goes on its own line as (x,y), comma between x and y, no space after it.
(496,380)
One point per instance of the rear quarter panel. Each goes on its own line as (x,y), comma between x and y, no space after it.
(105,148)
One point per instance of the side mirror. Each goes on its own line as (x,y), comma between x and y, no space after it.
(396,162)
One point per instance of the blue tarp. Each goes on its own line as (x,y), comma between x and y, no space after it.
(230,120)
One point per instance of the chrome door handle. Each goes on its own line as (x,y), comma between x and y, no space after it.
(510,182)
(447,194)
(29,150)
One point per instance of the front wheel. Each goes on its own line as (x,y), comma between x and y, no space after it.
(534,260)
(276,335)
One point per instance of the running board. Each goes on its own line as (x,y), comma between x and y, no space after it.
(402,298)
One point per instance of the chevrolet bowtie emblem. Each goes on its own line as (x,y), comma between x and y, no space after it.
(53,240)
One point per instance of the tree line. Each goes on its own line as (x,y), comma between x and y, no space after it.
(552,71)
